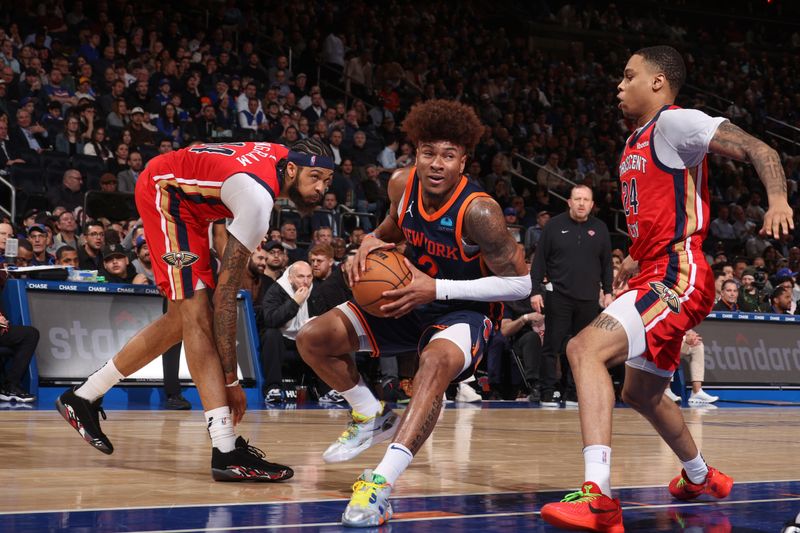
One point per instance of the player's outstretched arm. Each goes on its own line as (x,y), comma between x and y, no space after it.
(234,261)
(732,141)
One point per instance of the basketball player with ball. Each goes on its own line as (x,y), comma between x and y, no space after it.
(461,259)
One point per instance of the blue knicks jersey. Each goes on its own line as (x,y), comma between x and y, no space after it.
(436,247)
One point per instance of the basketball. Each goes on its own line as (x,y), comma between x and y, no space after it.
(385,270)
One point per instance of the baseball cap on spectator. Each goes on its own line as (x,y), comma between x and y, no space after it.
(164,81)
(271,245)
(302,75)
(749,271)
(113,250)
(84,79)
(31,213)
(2,81)
(137,109)
(508,211)
(37,227)
(542,213)
(108,177)
(785,273)
(140,241)
(204,101)
(25,100)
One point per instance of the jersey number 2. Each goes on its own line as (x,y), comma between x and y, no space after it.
(217,148)
(630,197)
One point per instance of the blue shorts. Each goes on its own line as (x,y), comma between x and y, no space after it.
(469,330)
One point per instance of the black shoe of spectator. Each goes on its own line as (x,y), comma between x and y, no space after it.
(84,417)
(535,396)
(14,393)
(548,399)
(177,402)
(246,463)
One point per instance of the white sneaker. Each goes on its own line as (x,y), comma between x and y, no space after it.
(672,396)
(467,394)
(361,433)
(702,397)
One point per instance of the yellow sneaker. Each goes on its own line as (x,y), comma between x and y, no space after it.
(369,506)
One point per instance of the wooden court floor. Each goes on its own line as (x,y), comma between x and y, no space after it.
(163,457)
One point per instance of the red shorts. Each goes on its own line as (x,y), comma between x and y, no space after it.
(178,241)
(665,300)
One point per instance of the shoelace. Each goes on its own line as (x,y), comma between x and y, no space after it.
(349,433)
(580,496)
(252,450)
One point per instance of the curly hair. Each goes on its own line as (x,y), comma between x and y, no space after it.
(443,120)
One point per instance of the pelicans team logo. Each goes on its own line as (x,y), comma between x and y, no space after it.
(667,295)
(179,259)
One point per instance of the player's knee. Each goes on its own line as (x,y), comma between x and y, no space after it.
(576,349)
(637,401)
(441,365)
(309,341)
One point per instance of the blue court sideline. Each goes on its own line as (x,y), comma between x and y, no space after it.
(751,507)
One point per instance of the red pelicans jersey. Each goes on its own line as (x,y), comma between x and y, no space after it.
(180,193)
(664,186)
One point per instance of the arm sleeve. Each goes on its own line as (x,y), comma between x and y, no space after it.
(685,135)
(251,204)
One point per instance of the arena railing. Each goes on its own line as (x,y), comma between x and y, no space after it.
(620,226)
(12,210)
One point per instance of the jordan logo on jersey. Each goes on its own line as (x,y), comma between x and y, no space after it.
(667,295)
(179,259)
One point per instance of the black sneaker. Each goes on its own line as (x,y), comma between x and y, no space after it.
(178,403)
(13,393)
(548,399)
(246,463)
(83,415)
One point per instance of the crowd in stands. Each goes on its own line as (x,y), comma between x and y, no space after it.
(91,91)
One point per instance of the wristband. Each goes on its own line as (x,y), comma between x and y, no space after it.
(231,385)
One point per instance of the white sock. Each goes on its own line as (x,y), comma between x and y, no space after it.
(696,469)
(394,463)
(100,382)
(362,400)
(597,461)
(220,429)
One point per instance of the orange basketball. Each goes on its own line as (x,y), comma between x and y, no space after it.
(385,270)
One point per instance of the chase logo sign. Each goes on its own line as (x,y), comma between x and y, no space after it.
(179,259)
(667,295)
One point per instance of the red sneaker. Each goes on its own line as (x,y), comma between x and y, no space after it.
(716,483)
(587,509)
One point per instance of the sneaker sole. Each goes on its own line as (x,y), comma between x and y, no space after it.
(381,520)
(251,475)
(7,398)
(97,444)
(340,457)
(558,521)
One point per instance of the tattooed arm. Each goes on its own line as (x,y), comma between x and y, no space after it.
(485,225)
(234,261)
(733,142)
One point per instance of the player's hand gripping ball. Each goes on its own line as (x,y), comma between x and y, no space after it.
(385,270)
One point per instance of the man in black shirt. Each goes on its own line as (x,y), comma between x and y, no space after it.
(574,253)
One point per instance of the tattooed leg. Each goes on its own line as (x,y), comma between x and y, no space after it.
(601,344)
(439,364)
